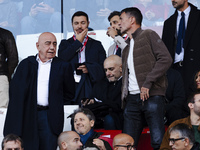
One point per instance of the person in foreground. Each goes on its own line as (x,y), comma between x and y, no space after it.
(69,140)
(182,138)
(84,121)
(38,91)
(123,141)
(193,121)
(12,142)
(144,64)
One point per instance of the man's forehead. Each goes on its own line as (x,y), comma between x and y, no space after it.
(197,97)
(79,19)
(116,17)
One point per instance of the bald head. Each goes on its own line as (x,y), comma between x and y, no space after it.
(69,140)
(122,139)
(113,68)
(46,46)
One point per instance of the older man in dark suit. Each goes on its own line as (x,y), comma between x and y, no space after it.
(183,43)
(38,91)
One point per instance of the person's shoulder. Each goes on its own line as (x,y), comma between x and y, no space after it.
(5,32)
(93,40)
(183,120)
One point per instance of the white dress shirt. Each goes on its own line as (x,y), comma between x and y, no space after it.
(43,82)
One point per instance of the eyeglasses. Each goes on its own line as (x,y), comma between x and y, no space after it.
(174,140)
(129,147)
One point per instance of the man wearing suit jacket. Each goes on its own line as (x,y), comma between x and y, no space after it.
(114,32)
(38,91)
(187,60)
(86,55)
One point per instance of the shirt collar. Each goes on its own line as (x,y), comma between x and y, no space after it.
(39,60)
(186,11)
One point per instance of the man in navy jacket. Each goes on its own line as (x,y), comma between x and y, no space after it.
(86,55)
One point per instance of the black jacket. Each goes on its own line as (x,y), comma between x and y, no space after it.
(8,53)
(21,118)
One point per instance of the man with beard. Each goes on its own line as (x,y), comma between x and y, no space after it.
(85,54)
(114,32)
(69,140)
(181,34)
(192,121)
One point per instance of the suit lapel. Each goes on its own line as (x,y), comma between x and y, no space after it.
(191,26)
(53,72)
(87,49)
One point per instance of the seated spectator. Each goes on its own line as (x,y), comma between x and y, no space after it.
(106,100)
(182,138)
(193,121)
(123,141)
(12,142)
(9,16)
(41,16)
(176,107)
(69,140)
(84,120)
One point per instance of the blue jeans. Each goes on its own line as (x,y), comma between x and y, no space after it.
(137,113)
(47,139)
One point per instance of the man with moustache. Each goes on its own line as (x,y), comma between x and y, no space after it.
(114,32)
(86,56)
(193,121)
(69,140)
(181,34)
(38,91)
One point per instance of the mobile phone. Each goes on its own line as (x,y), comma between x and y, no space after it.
(78,72)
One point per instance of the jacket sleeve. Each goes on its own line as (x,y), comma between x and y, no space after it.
(120,42)
(69,85)
(68,50)
(162,57)
(17,93)
(11,52)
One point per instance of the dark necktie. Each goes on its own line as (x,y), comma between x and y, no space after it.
(181,34)
(119,51)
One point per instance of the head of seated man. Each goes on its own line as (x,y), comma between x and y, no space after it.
(181,137)
(113,68)
(69,140)
(123,141)
(12,142)
(84,121)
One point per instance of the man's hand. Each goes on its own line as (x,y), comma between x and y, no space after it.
(144,94)
(83,68)
(45,8)
(81,36)
(87,102)
(99,143)
(112,32)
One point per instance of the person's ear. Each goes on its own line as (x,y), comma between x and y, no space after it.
(91,123)
(120,68)
(64,145)
(187,142)
(37,45)
(191,105)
